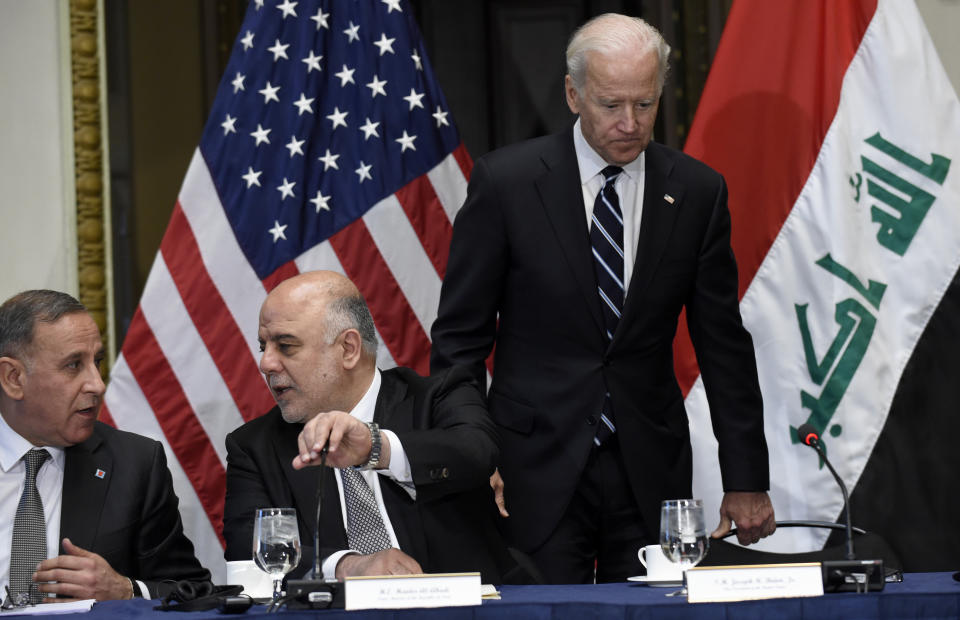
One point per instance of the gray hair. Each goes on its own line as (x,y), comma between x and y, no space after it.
(20,313)
(348,312)
(608,33)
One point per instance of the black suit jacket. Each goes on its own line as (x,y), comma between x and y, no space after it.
(452,447)
(130,515)
(520,274)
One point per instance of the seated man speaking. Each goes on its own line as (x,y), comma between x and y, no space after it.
(103,497)
(420,500)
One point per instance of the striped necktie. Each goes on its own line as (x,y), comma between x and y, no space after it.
(29,546)
(606,241)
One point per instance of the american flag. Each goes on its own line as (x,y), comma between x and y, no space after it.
(329,146)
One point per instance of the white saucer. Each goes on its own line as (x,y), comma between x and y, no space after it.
(657,583)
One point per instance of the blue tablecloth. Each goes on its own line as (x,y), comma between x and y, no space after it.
(921,595)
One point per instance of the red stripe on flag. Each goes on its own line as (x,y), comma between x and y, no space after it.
(784,99)
(463,160)
(283,272)
(176,418)
(395,319)
(105,416)
(429,220)
(209,313)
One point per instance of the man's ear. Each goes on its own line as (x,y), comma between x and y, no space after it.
(351,347)
(570,91)
(12,375)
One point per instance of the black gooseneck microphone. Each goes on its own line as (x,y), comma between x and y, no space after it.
(809,436)
(317,572)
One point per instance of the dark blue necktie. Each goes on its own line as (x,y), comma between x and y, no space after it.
(606,241)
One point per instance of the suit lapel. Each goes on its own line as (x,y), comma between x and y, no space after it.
(302,483)
(662,198)
(562,197)
(86,479)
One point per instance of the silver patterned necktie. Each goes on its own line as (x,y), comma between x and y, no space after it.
(29,531)
(366,532)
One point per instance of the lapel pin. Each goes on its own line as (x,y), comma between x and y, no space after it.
(668,198)
(100,474)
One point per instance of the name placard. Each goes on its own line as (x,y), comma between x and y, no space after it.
(722,584)
(405,591)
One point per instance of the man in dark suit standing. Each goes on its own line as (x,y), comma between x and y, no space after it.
(104,497)
(419,450)
(574,254)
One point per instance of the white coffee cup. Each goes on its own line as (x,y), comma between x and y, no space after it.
(255,582)
(658,565)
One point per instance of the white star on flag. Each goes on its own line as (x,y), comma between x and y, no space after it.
(369,129)
(238,82)
(385,44)
(353,32)
(345,75)
(393,5)
(287,7)
(364,171)
(277,231)
(303,104)
(247,41)
(320,201)
(416,60)
(312,62)
(286,189)
(338,118)
(261,135)
(329,161)
(295,146)
(269,93)
(414,99)
(227,125)
(279,50)
(441,117)
(376,87)
(252,178)
(321,19)
(406,142)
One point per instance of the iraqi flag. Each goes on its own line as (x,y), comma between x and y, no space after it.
(838,133)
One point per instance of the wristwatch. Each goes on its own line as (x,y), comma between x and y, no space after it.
(374,461)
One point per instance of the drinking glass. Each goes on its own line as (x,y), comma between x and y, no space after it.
(276,543)
(683,534)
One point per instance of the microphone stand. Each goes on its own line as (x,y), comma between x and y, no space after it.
(850,575)
(316,593)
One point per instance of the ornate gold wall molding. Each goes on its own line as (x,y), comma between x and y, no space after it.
(88,156)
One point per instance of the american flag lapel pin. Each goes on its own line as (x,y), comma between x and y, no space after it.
(100,474)
(668,198)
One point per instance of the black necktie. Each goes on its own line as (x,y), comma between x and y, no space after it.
(29,531)
(606,241)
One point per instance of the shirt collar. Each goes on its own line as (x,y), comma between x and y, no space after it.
(13,447)
(365,407)
(590,163)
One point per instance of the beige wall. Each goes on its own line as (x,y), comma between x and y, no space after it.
(38,247)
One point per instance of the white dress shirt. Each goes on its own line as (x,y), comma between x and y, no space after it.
(12,478)
(398,469)
(629,188)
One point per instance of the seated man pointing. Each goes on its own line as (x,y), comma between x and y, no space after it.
(408,457)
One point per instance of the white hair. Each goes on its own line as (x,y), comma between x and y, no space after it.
(612,32)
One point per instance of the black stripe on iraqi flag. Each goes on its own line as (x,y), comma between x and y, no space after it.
(909,491)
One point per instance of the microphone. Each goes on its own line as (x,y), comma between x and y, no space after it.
(809,436)
(850,575)
(315,593)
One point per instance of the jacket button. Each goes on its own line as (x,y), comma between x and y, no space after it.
(434,474)
(592,420)
(444,473)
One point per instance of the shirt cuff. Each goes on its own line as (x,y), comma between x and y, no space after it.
(329,565)
(144,591)
(399,467)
